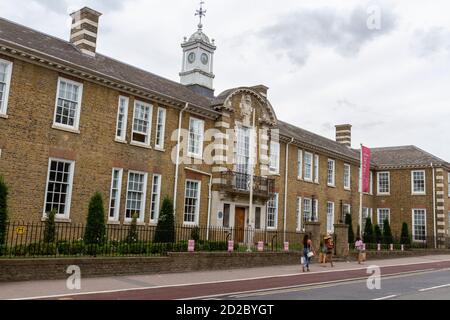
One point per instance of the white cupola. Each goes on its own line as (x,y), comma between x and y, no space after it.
(197,65)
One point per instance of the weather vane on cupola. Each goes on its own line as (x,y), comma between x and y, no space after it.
(201,13)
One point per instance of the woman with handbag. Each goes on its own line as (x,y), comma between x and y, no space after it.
(308,252)
(359,246)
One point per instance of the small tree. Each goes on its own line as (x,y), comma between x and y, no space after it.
(50,227)
(404,238)
(348,221)
(378,234)
(195,234)
(132,232)
(3,210)
(165,230)
(387,234)
(95,227)
(368,231)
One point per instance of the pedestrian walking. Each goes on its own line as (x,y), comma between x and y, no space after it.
(329,246)
(359,246)
(308,252)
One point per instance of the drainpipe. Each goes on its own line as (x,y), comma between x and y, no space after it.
(175,187)
(434,207)
(285,188)
(209,196)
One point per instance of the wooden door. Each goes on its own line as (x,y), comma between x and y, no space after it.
(239,224)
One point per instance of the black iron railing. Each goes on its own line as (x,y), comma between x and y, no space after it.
(240,183)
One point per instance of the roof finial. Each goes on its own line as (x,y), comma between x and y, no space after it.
(201,13)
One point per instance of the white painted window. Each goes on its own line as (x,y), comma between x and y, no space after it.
(192,202)
(122,116)
(272,212)
(316,168)
(274,165)
(142,122)
(308,166)
(155,198)
(307,209)
(418,182)
(58,192)
(160,128)
(316,210)
(419,222)
(383,184)
(347,176)
(68,104)
(300,164)
(5,83)
(366,213)
(196,131)
(383,214)
(330,217)
(298,214)
(226,215)
(331,172)
(136,191)
(243,158)
(347,208)
(257,217)
(116,187)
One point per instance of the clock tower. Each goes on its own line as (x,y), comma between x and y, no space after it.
(197,65)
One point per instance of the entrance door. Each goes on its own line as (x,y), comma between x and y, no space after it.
(239,224)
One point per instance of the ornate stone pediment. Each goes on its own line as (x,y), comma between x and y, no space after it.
(246,109)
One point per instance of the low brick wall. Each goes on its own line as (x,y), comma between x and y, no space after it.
(55,268)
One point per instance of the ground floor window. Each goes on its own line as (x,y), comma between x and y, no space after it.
(272,212)
(114,202)
(59,187)
(257,217)
(307,209)
(419,225)
(137,187)
(191,202)
(298,214)
(330,217)
(383,214)
(155,199)
(226,215)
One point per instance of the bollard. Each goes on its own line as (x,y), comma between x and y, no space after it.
(286,246)
(191,245)
(260,246)
(391,247)
(379,247)
(230,246)
(403,247)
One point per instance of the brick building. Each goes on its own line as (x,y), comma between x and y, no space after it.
(73,122)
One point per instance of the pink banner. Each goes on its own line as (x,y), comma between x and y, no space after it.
(365,169)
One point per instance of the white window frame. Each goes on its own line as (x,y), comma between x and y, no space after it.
(76,124)
(298,214)
(161,132)
(347,178)
(309,201)
(201,138)
(349,206)
(389,183)
(333,173)
(122,137)
(66,214)
(316,168)
(330,228)
(311,170)
(413,192)
(274,168)
(157,200)
(379,222)
(4,103)
(141,217)
(275,217)
(414,224)
(149,129)
(300,164)
(197,209)
(119,193)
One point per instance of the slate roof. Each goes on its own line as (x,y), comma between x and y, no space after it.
(405,156)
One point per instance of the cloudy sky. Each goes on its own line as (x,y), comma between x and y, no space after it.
(321,61)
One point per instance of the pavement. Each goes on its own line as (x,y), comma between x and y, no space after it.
(230,284)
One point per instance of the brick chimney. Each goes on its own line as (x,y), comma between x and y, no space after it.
(84,30)
(344,134)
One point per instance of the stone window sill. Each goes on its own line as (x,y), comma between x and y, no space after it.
(54,126)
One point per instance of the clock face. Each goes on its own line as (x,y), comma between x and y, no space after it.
(204,58)
(191,57)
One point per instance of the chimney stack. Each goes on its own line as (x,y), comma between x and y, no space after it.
(84,30)
(344,134)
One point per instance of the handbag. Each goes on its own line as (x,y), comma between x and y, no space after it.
(302,260)
(310,254)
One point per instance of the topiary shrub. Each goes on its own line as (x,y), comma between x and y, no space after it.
(368,231)
(50,227)
(165,230)
(195,234)
(95,227)
(387,234)
(378,234)
(404,237)
(132,236)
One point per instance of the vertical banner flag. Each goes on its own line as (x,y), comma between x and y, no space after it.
(365,169)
